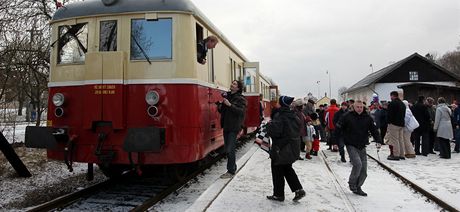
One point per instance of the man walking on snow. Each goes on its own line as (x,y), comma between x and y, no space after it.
(355,127)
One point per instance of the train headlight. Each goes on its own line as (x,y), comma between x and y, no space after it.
(58,99)
(153,111)
(59,112)
(152,97)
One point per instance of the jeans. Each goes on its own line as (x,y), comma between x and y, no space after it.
(230,145)
(341,146)
(358,159)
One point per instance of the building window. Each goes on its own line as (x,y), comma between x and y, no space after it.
(413,75)
(151,39)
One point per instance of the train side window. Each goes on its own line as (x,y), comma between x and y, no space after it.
(72,43)
(151,39)
(199,33)
(108,36)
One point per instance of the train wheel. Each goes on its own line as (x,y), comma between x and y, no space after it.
(113,170)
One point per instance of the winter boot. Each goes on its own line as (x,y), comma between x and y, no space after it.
(299,194)
(342,158)
(307,156)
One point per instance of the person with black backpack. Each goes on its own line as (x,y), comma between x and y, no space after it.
(284,129)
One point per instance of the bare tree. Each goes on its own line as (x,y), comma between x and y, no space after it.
(451,61)
(24,52)
(340,91)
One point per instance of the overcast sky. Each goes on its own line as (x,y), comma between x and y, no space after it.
(297,41)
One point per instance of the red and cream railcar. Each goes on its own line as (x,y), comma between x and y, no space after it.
(125,79)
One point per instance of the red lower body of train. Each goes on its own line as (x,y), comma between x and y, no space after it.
(105,123)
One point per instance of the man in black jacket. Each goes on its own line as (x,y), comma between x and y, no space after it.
(420,111)
(232,109)
(339,114)
(355,127)
(202,48)
(284,129)
(396,115)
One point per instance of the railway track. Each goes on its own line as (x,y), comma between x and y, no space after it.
(128,193)
(349,206)
(419,189)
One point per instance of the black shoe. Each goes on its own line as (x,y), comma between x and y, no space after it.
(432,152)
(343,159)
(391,157)
(402,158)
(417,153)
(300,158)
(299,194)
(360,192)
(425,155)
(353,189)
(273,197)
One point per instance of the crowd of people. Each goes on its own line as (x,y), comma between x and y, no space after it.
(408,129)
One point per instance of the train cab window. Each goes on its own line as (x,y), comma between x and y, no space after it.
(151,39)
(72,43)
(108,36)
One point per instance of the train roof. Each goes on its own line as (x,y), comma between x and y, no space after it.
(99,8)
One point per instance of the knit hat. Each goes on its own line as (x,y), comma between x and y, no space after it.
(298,102)
(285,101)
(344,103)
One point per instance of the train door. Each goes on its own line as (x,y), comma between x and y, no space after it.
(105,95)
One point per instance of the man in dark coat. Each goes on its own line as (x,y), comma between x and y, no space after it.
(232,109)
(381,120)
(202,48)
(396,115)
(355,127)
(339,114)
(285,133)
(420,111)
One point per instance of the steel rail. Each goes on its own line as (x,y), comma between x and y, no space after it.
(417,188)
(69,198)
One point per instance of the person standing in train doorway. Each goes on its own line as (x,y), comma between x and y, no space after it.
(355,126)
(202,48)
(232,110)
(284,129)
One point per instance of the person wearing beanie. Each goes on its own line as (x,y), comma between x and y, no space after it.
(284,129)
(298,108)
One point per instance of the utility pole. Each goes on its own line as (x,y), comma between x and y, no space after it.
(330,93)
(317,82)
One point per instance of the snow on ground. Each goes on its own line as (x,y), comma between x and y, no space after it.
(247,191)
(438,176)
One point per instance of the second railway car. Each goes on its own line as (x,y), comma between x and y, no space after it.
(125,86)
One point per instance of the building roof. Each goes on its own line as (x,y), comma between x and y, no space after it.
(376,76)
